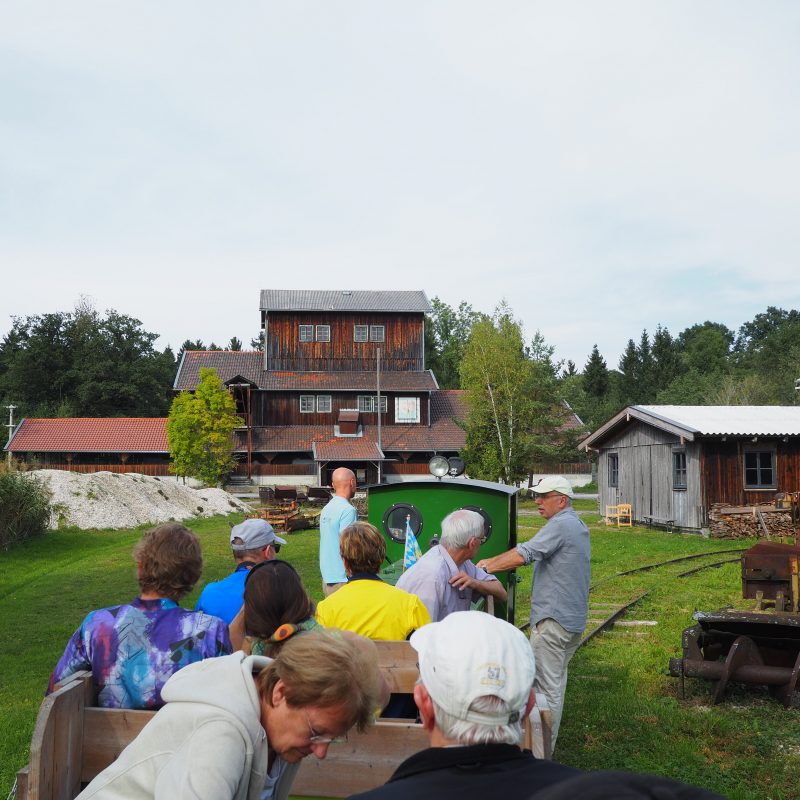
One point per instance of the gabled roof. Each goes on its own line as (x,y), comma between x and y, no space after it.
(229,364)
(347,450)
(391,381)
(235,365)
(90,435)
(343,300)
(692,421)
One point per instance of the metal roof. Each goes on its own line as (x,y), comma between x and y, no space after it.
(343,300)
(691,421)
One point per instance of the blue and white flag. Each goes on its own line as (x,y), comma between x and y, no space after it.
(412,551)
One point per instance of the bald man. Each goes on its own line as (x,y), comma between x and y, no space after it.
(335,517)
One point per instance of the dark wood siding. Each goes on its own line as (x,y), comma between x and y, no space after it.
(283,408)
(722,467)
(401,350)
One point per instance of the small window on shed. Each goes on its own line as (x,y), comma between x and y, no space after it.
(323,333)
(759,469)
(678,469)
(398,518)
(376,333)
(306,403)
(306,333)
(613,470)
(360,333)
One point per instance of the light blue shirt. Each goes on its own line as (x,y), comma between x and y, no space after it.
(335,517)
(562,553)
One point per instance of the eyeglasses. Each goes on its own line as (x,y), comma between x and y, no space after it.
(321,738)
(275,546)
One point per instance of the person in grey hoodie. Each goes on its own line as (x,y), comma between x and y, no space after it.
(237,726)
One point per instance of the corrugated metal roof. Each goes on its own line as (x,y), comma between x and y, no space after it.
(343,300)
(731,420)
(91,435)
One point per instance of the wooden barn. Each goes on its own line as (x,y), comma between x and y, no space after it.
(673,463)
(341,382)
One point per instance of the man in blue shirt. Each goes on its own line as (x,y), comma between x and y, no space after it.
(560,591)
(335,517)
(252,542)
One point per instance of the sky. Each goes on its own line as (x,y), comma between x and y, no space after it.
(603,166)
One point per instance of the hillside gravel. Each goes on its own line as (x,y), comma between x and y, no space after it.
(112,500)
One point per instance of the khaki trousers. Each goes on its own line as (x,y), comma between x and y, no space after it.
(553,647)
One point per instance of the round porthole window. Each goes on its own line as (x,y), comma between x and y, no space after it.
(487,520)
(398,518)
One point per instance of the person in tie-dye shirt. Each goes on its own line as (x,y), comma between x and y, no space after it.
(133,649)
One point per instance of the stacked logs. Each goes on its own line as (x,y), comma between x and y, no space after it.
(744,523)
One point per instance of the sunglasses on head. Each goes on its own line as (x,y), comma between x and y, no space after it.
(273,564)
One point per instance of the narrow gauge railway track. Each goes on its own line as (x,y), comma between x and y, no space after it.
(618,611)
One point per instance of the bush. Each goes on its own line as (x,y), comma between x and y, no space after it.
(24,508)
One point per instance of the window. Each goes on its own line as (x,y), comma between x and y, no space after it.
(324,403)
(613,470)
(376,333)
(366,403)
(678,469)
(360,333)
(759,469)
(306,403)
(323,333)
(400,517)
(306,333)
(406,409)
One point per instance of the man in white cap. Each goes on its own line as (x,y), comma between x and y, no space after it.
(560,592)
(475,689)
(252,542)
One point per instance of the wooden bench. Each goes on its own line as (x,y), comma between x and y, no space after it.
(622,514)
(73,740)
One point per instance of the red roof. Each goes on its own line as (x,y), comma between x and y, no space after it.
(91,435)
(350,449)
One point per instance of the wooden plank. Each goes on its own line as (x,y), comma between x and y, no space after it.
(56,745)
(21,791)
(365,761)
(106,733)
(398,663)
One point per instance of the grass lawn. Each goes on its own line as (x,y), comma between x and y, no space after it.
(622,710)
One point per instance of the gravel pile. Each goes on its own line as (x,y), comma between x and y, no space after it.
(112,500)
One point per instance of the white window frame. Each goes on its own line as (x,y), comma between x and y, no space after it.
(366,403)
(306,400)
(323,333)
(360,333)
(324,400)
(377,333)
(406,410)
(306,333)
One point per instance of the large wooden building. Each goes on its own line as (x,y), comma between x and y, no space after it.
(341,382)
(672,463)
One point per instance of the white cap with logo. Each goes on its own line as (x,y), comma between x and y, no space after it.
(470,654)
(554,483)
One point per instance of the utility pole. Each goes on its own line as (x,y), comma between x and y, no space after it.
(378,387)
(10,428)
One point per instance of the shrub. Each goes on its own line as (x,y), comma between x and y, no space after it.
(24,508)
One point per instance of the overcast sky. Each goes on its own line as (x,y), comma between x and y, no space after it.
(603,166)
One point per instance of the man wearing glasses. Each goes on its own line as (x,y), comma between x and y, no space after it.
(252,542)
(560,592)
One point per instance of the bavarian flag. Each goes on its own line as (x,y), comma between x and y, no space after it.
(412,551)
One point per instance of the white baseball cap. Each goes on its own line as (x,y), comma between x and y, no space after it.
(554,483)
(470,654)
(254,533)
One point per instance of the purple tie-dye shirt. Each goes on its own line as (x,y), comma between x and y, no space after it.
(133,649)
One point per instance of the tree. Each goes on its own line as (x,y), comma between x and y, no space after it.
(644,370)
(512,398)
(190,345)
(258,342)
(446,335)
(595,375)
(200,430)
(666,359)
(234,344)
(83,363)
(628,367)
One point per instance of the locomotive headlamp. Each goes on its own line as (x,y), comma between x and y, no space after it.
(438,466)
(457,466)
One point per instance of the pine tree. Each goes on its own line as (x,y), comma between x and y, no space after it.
(595,375)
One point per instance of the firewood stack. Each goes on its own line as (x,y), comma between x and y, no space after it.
(744,523)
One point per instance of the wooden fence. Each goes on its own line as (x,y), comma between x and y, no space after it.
(141,469)
(583,468)
(276,469)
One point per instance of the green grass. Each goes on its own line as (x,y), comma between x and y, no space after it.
(622,710)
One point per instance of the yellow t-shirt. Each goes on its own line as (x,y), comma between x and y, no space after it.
(374,609)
